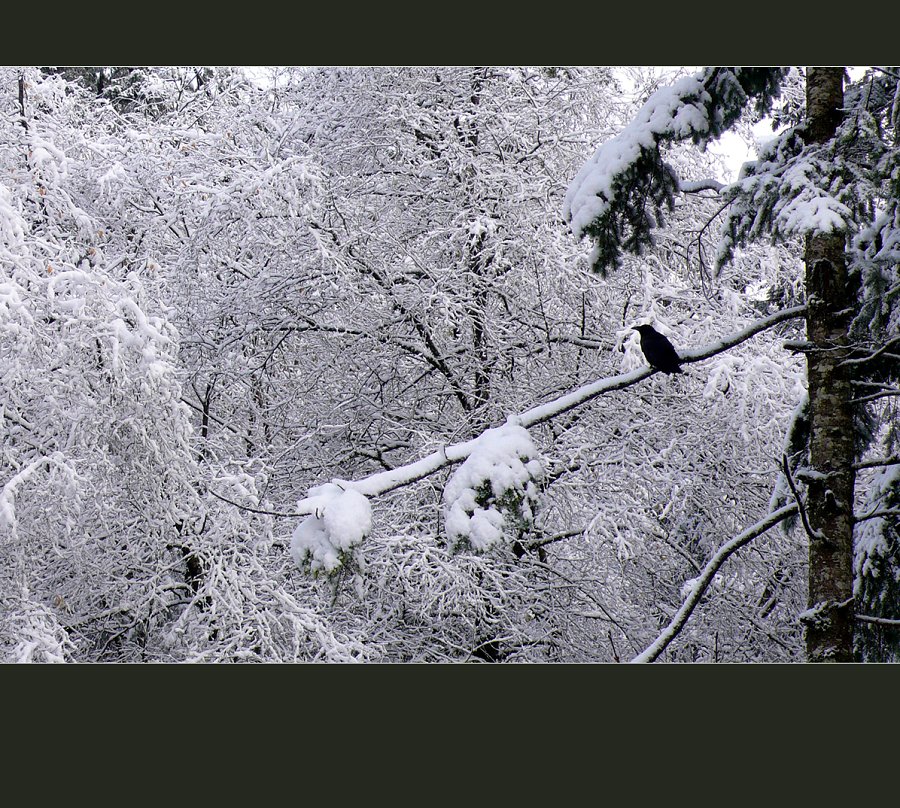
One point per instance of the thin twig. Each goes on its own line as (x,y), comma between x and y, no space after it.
(257,510)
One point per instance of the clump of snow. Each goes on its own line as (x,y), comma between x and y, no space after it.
(690,587)
(342,518)
(494,492)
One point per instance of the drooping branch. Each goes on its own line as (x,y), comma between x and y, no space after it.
(700,584)
(618,195)
(385,481)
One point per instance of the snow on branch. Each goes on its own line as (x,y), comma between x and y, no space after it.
(323,546)
(385,481)
(698,586)
(695,186)
(797,188)
(494,493)
(878,621)
(617,196)
(582,395)
(341,520)
(8,492)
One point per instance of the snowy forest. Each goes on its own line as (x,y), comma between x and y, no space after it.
(315,364)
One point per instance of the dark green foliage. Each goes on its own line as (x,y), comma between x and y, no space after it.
(644,186)
(732,87)
(859,169)
(647,185)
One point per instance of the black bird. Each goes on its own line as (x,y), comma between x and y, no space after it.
(658,351)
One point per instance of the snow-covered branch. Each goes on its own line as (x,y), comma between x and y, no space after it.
(878,621)
(8,492)
(877,462)
(701,583)
(612,195)
(695,186)
(385,481)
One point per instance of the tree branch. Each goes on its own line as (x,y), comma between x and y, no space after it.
(876,515)
(881,461)
(883,349)
(385,481)
(878,621)
(701,583)
(813,536)
(695,186)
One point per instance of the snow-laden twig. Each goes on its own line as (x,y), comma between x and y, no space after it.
(695,186)
(700,584)
(877,515)
(385,481)
(876,463)
(878,621)
(872,356)
(8,492)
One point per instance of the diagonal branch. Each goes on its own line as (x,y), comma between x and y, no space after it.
(702,582)
(385,481)
(813,535)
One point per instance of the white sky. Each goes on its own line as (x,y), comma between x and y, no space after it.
(736,151)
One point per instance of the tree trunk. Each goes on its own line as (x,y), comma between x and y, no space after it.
(831,301)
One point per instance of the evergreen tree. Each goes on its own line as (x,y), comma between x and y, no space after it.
(830,178)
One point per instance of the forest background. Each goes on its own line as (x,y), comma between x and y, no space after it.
(313,368)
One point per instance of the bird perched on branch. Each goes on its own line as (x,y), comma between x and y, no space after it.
(658,351)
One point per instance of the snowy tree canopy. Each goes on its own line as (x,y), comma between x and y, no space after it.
(306,365)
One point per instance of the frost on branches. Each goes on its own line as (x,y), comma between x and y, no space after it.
(493,494)
(876,569)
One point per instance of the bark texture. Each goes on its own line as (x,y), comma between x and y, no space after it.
(831,301)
